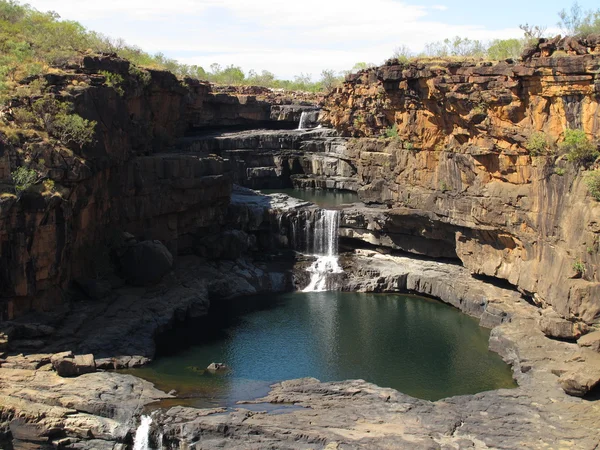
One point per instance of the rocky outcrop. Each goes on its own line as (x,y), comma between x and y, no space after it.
(306,413)
(458,105)
(458,181)
(263,159)
(92,411)
(130,179)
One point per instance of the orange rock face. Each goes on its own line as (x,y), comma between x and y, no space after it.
(460,158)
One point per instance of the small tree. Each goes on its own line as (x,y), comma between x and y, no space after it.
(592,181)
(402,53)
(578,147)
(329,80)
(537,144)
(23,178)
(576,21)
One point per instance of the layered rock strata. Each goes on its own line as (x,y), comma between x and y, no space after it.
(458,180)
(131,179)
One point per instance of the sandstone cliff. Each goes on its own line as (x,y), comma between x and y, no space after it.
(134,178)
(458,175)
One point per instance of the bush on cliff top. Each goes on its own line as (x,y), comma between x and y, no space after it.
(32,41)
(577,22)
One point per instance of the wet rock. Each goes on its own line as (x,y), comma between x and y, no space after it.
(68,365)
(146,262)
(217,367)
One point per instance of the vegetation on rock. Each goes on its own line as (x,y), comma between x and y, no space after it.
(592,180)
(573,22)
(23,178)
(578,148)
(31,42)
(537,144)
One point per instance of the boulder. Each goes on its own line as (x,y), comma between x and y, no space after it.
(217,367)
(590,340)
(579,382)
(68,365)
(146,262)
(559,328)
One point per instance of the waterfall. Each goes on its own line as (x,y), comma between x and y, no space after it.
(323,243)
(304,118)
(141,441)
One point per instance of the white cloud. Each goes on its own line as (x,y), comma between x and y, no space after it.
(285,37)
(440,7)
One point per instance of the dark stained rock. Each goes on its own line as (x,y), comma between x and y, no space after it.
(108,63)
(146,262)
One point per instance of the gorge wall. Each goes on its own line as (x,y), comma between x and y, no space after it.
(135,178)
(458,180)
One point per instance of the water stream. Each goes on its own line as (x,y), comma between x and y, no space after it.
(141,440)
(304,118)
(322,237)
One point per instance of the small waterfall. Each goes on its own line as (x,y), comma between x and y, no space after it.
(323,243)
(304,121)
(141,441)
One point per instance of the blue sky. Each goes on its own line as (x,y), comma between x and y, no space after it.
(301,36)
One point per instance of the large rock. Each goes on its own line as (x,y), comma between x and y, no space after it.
(557,327)
(579,382)
(590,340)
(68,365)
(146,262)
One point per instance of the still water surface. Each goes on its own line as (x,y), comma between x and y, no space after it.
(325,198)
(418,346)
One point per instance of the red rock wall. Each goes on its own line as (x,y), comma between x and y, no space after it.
(460,161)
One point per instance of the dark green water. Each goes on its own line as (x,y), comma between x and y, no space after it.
(418,346)
(325,198)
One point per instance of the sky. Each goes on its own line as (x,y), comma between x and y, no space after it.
(291,37)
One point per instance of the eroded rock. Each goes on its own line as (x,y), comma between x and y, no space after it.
(67,364)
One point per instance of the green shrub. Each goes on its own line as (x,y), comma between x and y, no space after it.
(578,147)
(143,76)
(49,185)
(592,180)
(537,144)
(559,171)
(55,117)
(73,129)
(23,178)
(114,80)
(579,267)
(392,132)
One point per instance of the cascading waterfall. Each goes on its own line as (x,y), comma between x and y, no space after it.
(141,441)
(323,243)
(304,118)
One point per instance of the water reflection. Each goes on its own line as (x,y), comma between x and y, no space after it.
(325,198)
(419,346)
